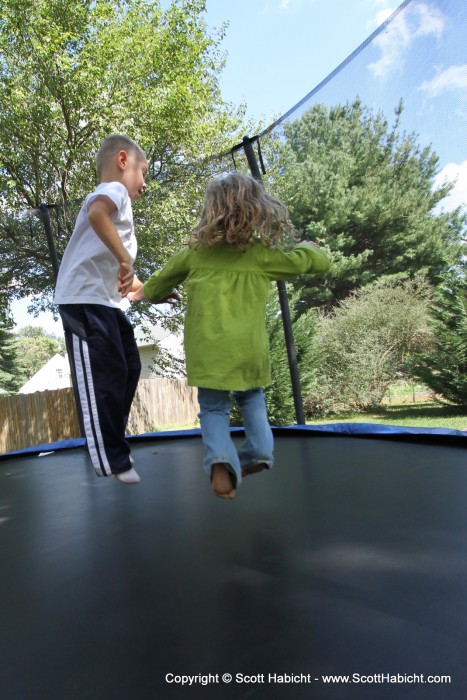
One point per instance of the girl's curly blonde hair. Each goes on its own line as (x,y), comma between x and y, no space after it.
(238,212)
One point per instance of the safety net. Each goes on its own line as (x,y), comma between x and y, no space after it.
(372,164)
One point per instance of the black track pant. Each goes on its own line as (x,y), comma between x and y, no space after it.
(105,363)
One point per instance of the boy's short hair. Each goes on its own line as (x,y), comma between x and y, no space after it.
(112,145)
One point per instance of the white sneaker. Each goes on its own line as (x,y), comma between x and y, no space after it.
(129,477)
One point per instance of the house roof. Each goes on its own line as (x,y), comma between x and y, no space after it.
(55,374)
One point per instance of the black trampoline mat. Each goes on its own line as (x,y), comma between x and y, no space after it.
(349,557)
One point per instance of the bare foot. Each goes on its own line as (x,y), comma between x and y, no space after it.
(254,469)
(221,481)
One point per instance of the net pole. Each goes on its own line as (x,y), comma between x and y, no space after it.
(284,304)
(45,216)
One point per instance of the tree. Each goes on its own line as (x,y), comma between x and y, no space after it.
(366,192)
(10,378)
(443,367)
(73,71)
(359,348)
(36,347)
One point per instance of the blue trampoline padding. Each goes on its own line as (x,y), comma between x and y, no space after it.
(48,447)
(375,430)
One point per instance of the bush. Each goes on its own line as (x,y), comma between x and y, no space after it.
(360,347)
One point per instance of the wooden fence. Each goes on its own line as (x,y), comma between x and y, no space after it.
(49,416)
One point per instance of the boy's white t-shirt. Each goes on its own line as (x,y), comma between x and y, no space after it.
(88,271)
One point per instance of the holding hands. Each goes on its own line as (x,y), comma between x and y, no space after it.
(126,277)
(137,294)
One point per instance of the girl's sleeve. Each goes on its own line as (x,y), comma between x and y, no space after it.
(162,282)
(304,258)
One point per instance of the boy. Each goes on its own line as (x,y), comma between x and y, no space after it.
(96,272)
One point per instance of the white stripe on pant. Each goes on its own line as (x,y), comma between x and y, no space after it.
(91,424)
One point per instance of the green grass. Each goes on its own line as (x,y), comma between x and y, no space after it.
(422,415)
(404,388)
(171,428)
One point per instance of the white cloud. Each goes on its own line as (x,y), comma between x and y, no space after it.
(410,24)
(453,78)
(454,172)
(381,17)
(432,21)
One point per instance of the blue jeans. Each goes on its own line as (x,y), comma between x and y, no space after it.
(215,429)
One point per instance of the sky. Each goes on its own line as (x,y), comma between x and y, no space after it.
(277,51)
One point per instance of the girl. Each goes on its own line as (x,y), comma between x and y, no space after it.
(228,265)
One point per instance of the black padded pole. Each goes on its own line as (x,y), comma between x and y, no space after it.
(50,239)
(284,304)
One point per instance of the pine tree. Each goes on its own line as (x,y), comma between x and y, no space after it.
(10,378)
(444,367)
(366,191)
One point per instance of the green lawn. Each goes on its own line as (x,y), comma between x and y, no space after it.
(171,428)
(422,415)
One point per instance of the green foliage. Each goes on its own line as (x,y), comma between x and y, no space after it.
(36,347)
(5,318)
(443,367)
(10,378)
(73,71)
(360,347)
(366,192)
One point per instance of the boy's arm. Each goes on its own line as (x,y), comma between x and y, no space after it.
(99,214)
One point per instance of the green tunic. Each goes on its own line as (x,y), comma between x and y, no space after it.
(225,339)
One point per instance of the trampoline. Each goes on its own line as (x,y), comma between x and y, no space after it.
(349,557)
(339,575)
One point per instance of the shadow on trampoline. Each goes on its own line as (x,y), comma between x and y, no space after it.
(349,557)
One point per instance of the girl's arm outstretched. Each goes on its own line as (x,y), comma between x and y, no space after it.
(306,257)
(159,287)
